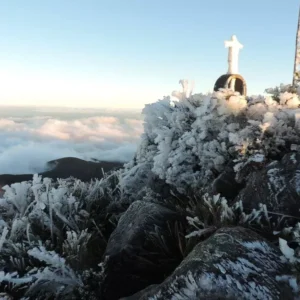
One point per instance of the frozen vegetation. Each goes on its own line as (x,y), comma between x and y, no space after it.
(183,191)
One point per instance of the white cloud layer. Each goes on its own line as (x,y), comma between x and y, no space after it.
(28,141)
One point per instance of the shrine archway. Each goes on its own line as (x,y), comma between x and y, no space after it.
(225,81)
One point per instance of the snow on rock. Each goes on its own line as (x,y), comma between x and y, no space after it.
(234,263)
(288,252)
(277,185)
(133,262)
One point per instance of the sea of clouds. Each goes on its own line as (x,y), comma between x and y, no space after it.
(30,137)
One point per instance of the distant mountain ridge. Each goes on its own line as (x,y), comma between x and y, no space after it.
(67,167)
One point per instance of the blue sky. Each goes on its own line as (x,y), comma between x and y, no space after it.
(119,53)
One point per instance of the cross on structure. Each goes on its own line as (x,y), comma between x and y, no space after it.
(233,54)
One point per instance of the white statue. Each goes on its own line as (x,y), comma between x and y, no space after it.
(233,54)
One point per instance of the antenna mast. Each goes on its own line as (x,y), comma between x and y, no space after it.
(296,74)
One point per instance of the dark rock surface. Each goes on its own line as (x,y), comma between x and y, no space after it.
(226,185)
(65,168)
(234,263)
(277,185)
(134,261)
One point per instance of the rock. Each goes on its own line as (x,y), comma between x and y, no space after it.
(141,293)
(255,163)
(226,185)
(277,185)
(133,261)
(234,263)
(141,175)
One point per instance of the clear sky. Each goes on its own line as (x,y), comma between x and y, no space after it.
(125,53)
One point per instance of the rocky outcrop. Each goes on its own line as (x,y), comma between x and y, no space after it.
(234,263)
(133,259)
(277,185)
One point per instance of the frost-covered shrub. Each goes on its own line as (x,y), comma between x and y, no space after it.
(53,235)
(208,213)
(188,142)
(282,89)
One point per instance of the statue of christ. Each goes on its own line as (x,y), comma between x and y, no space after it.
(233,54)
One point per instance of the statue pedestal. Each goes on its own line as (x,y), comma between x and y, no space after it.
(226,80)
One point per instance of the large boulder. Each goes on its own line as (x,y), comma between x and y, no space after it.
(133,259)
(277,185)
(234,263)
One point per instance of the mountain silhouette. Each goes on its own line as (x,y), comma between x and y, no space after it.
(65,168)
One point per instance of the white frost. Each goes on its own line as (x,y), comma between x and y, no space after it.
(288,252)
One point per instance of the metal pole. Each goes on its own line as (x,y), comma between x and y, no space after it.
(297,49)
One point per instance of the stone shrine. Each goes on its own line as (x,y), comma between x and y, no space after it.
(232,80)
